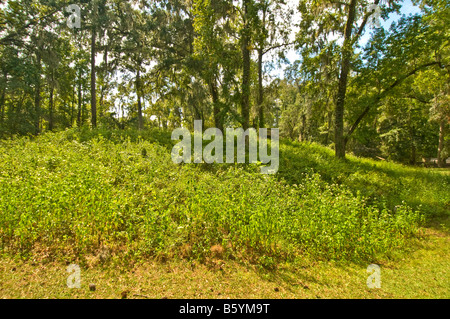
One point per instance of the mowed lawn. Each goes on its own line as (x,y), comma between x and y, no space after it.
(423,274)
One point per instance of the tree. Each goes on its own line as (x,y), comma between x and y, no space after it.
(272,32)
(136,51)
(320,22)
(414,46)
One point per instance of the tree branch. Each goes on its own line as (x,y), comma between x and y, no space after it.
(277,46)
(364,22)
(383,94)
(410,96)
(9,37)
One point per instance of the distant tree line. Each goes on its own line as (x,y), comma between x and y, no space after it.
(167,63)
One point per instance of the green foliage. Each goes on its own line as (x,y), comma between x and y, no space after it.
(67,194)
(168,63)
(377,181)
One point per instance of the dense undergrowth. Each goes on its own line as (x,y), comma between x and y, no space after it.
(75,194)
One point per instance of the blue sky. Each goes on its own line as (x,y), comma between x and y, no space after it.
(407,8)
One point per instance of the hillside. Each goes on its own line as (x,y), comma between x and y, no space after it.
(70,195)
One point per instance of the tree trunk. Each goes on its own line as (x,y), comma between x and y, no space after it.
(330,123)
(303,129)
(215,97)
(339,139)
(412,133)
(2,106)
(138,93)
(37,95)
(245,98)
(72,110)
(197,113)
(260,88)
(441,162)
(80,97)
(2,100)
(412,160)
(105,80)
(93,79)
(50,111)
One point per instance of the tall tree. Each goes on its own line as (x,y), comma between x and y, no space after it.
(273,28)
(320,22)
(94,27)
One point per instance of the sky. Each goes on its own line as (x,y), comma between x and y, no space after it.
(407,8)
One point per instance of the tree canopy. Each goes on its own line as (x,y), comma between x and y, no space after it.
(165,64)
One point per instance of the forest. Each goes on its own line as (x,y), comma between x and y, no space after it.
(351,99)
(138,64)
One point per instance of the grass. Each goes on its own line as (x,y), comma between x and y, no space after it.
(424,274)
(420,188)
(111,200)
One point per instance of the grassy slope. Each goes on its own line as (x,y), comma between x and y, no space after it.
(421,188)
(68,198)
